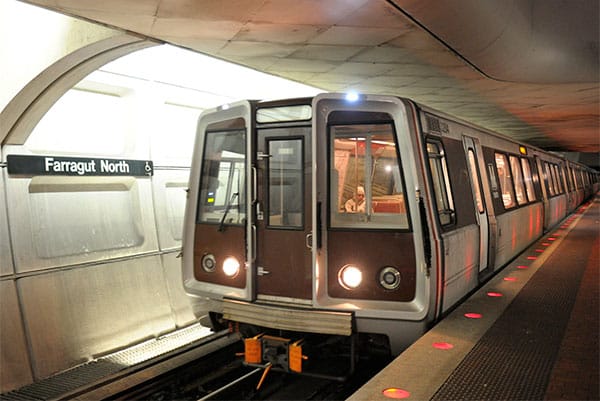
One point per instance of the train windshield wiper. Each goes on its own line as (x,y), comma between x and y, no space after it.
(227,207)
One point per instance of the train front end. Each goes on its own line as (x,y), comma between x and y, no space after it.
(305,218)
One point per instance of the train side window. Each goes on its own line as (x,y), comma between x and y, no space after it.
(506,183)
(528,179)
(515,167)
(441,183)
(366,186)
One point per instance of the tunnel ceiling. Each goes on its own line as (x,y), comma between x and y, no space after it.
(526,68)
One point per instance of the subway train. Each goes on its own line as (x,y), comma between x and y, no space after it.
(361,218)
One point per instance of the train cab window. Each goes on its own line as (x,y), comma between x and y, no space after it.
(528,179)
(366,186)
(441,183)
(506,183)
(222,183)
(285,183)
(515,167)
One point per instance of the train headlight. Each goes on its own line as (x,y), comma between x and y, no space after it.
(231,267)
(389,278)
(350,277)
(209,263)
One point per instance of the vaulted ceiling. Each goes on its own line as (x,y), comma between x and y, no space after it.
(525,68)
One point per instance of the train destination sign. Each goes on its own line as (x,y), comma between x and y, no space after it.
(77,166)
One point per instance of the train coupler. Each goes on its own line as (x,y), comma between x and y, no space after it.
(265,350)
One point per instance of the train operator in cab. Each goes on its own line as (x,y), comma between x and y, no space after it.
(357,203)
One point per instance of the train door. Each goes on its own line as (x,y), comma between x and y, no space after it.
(283,214)
(471,146)
(217,210)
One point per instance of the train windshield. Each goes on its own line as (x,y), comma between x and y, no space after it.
(223,176)
(366,187)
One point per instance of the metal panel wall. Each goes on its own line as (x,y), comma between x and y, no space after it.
(60,221)
(74,314)
(15,369)
(6,263)
(89,274)
(170,194)
(173,136)
(181,304)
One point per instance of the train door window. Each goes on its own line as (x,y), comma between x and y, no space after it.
(475,180)
(506,183)
(569,178)
(441,183)
(515,167)
(548,179)
(366,186)
(554,179)
(285,183)
(587,178)
(222,181)
(528,179)
(559,178)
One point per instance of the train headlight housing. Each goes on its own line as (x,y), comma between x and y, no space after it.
(389,278)
(209,263)
(231,267)
(350,277)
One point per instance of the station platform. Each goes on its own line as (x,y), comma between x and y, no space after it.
(531,333)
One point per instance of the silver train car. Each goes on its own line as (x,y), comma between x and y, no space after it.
(364,217)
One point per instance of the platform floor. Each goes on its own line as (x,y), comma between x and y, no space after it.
(531,333)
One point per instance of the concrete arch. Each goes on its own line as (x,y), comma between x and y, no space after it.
(26,109)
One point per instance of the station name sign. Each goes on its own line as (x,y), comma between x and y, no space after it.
(77,166)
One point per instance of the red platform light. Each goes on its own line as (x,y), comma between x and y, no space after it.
(531,257)
(494,294)
(443,345)
(551,239)
(522,267)
(539,250)
(396,393)
(545,243)
(472,315)
(510,279)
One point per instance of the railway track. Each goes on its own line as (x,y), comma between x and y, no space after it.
(222,375)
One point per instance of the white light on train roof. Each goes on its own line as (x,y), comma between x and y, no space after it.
(224,106)
(352,96)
